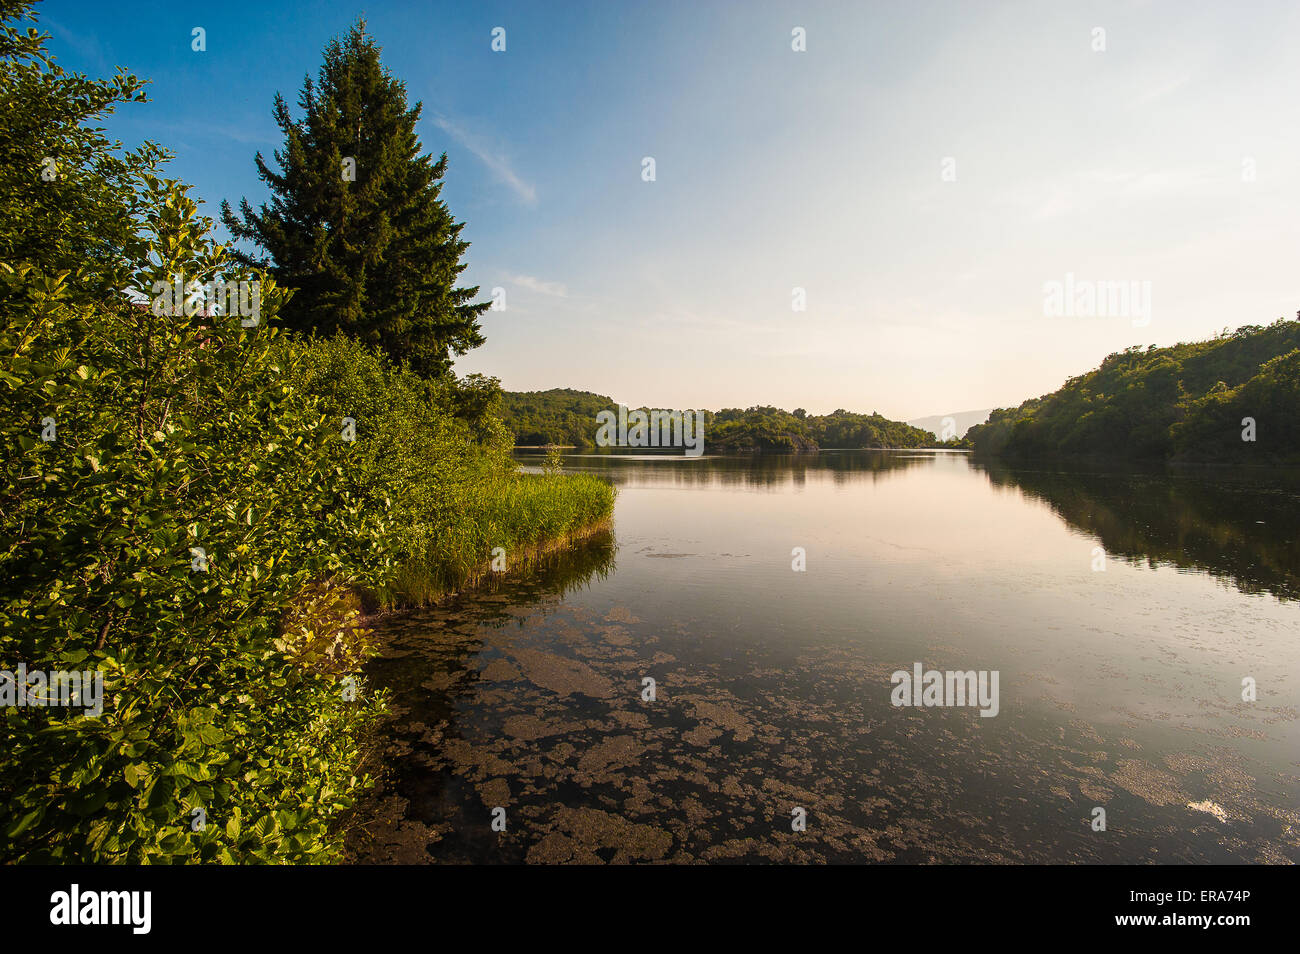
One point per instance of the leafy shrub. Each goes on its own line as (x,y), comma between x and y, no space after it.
(172,433)
(437,454)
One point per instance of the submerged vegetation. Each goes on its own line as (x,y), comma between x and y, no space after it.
(203,506)
(199,505)
(1233,399)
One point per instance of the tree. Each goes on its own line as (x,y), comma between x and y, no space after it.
(68,198)
(356,223)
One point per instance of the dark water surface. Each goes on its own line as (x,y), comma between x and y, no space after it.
(1119,689)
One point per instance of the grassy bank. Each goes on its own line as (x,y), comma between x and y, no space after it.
(514,522)
(436,456)
(196,534)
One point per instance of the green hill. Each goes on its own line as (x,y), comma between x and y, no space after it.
(1185,402)
(771,428)
(557,416)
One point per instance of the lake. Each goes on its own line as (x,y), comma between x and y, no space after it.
(1120,608)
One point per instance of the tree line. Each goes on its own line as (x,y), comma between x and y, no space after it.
(1233,398)
(568,417)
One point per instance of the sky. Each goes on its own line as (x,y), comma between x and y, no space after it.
(922,171)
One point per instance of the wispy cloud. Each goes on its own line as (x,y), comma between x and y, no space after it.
(494,160)
(558,289)
(1162,89)
(86,44)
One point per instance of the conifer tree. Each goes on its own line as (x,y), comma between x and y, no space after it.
(355,221)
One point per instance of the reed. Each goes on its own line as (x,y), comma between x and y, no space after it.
(525,515)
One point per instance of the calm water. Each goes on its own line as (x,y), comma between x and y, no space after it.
(1119,689)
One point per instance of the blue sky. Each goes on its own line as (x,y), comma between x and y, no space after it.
(776,169)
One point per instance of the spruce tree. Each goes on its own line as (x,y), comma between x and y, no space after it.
(355,222)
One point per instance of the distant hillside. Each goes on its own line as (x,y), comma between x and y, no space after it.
(557,416)
(771,428)
(566,416)
(964,421)
(1185,402)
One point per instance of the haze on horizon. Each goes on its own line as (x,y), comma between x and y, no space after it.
(1171,157)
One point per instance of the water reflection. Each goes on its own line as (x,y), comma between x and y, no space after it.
(755,472)
(1239,527)
(773,685)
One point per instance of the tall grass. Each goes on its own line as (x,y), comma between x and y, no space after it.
(436,456)
(523,514)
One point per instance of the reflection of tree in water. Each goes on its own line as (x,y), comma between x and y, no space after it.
(445,636)
(514,697)
(762,471)
(1243,529)
(557,572)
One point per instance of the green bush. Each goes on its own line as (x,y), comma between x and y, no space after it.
(1271,398)
(437,453)
(171,434)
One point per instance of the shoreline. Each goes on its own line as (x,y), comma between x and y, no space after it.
(525,559)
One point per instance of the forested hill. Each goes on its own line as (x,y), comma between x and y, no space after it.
(566,416)
(771,428)
(1235,398)
(558,416)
